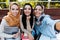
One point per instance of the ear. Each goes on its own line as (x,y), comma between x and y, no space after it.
(58,25)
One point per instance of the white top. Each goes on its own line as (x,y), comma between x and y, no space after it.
(2,34)
(22,27)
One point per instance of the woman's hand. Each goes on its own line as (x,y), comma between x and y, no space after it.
(16,35)
(28,17)
(31,37)
(58,25)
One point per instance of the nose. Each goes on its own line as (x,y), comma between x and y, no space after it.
(15,10)
(27,9)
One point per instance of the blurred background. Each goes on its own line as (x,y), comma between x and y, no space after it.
(49,4)
(52,7)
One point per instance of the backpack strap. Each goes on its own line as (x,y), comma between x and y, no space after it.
(42,18)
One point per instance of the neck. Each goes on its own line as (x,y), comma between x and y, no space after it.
(28,17)
(37,17)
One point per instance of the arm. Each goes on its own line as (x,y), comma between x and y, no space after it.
(33,32)
(22,27)
(2,34)
(48,20)
(36,34)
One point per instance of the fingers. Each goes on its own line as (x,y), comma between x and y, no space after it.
(31,37)
(16,35)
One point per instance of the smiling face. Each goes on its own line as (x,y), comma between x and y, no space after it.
(14,10)
(38,10)
(27,10)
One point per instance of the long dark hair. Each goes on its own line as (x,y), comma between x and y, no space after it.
(24,16)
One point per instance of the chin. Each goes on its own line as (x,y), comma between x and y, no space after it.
(27,15)
(37,15)
(14,15)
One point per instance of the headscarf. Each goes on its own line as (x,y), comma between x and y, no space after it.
(11,19)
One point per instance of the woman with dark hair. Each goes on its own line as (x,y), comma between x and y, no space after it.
(45,27)
(27,13)
(27,19)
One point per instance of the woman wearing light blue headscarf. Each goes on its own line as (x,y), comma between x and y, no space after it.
(44,26)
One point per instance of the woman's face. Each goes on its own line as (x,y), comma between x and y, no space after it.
(14,10)
(38,11)
(27,10)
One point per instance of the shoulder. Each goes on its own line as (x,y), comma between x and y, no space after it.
(20,16)
(4,22)
(58,20)
(47,15)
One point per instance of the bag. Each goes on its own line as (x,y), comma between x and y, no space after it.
(24,36)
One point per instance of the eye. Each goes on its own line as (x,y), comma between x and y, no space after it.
(40,9)
(13,9)
(17,9)
(29,8)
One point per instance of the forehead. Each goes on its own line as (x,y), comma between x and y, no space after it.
(14,6)
(38,6)
(27,6)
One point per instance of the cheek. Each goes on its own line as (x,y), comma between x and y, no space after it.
(12,11)
(37,13)
(30,11)
(41,11)
(27,12)
(17,11)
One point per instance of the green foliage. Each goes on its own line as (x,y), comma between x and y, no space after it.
(32,2)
